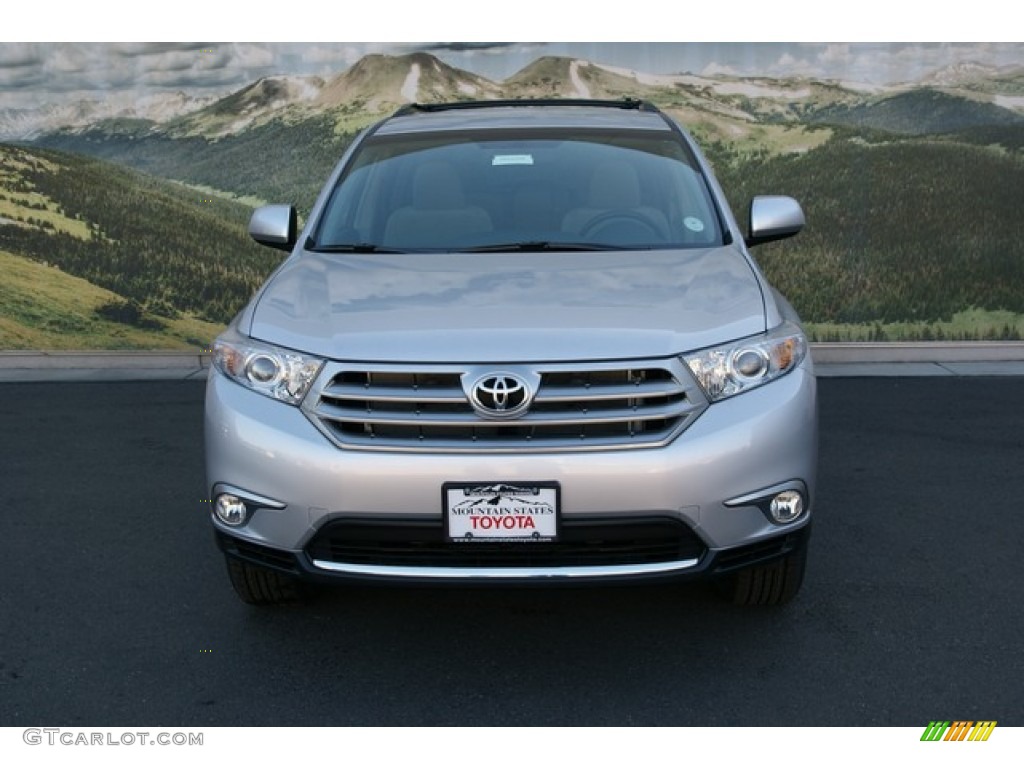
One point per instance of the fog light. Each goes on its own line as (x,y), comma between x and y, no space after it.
(787,506)
(230,509)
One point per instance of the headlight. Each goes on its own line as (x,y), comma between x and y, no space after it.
(272,371)
(742,365)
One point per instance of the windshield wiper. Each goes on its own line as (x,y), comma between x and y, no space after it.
(523,246)
(352,248)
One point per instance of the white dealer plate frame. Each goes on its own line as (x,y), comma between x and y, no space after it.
(505,512)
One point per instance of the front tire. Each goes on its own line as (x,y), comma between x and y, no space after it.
(261,586)
(774,583)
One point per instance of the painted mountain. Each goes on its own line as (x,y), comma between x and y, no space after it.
(912,191)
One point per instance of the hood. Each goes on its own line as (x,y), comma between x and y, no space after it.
(501,307)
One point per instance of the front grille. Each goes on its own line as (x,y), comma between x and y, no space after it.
(582,542)
(601,406)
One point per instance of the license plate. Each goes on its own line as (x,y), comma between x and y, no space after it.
(490,512)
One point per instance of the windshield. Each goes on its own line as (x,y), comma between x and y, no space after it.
(522,190)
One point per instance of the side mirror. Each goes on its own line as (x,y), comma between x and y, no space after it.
(773,217)
(274,225)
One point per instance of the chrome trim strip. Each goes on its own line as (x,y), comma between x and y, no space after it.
(561,394)
(534,445)
(560,419)
(252,499)
(395,394)
(566,572)
(766,493)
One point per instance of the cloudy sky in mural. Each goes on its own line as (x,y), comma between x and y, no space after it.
(35,73)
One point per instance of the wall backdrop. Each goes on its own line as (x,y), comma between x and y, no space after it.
(128,171)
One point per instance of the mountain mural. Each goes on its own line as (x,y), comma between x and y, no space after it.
(281,136)
(920,112)
(94,254)
(381,83)
(265,99)
(377,84)
(27,124)
(872,166)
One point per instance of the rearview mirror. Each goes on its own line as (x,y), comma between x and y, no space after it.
(773,217)
(275,226)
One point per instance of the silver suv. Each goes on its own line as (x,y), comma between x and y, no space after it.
(516,343)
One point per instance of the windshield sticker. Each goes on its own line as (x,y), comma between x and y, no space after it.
(693,224)
(512,160)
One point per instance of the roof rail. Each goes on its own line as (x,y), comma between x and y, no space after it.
(624,103)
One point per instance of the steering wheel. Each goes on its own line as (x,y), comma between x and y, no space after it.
(629,226)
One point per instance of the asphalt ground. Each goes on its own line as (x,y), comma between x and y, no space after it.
(115,608)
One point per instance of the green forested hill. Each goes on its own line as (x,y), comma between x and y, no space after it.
(166,249)
(279,162)
(901,230)
(919,112)
(42,307)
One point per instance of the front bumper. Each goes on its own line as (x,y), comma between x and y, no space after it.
(710,564)
(759,440)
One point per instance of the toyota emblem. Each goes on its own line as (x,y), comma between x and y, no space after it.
(501,395)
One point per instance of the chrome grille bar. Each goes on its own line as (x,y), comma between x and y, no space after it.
(563,418)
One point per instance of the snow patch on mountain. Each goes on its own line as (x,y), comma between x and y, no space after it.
(582,91)
(859,87)
(1009,102)
(300,88)
(411,86)
(26,124)
(644,78)
(959,73)
(239,125)
(756,91)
